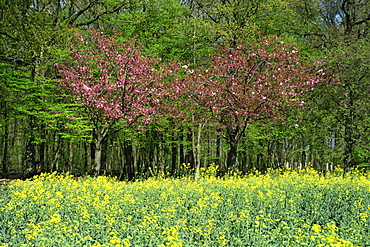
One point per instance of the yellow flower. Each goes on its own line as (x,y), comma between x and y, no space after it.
(55,218)
(316,228)
(126,243)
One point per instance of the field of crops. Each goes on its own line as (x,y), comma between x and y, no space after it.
(288,209)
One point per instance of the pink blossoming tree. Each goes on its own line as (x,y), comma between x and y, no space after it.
(115,85)
(243,85)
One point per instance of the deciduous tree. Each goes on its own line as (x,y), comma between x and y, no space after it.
(247,84)
(114,84)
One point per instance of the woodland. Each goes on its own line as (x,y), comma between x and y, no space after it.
(140,88)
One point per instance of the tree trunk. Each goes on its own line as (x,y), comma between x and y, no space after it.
(97,158)
(100,155)
(181,151)
(348,160)
(5,141)
(100,139)
(161,158)
(232,137)
(86,157)
(232,156)
(198,150)
(349,140)
(218,150)
(92,156)
(135,157)
(174,156)
(188,151)
(128,164)
(55,152)
(41,148)
(29,161)
(70,157)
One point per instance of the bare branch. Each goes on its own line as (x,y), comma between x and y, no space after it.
(8,35)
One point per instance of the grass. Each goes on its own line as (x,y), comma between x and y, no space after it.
(275,209)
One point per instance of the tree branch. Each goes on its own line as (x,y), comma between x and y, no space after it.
(81,12)
(100,15)
(8,35)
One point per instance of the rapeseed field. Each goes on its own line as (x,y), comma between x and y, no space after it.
(275,209)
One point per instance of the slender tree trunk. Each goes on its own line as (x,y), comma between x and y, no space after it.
(41,148)
(92,156)
(98,157)
(198,150)
(5,141)
(182,148)
(349,140)
(193,145)
(56,151)
(100,139)
(189,153)
(104,154)
(128,161)
(161,159)
(70,156)
(242,155)
(174,156)
(348,149)
(218,150)
(29,161)
(135,157)
(85,157)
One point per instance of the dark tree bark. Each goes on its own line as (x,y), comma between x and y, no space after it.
(5,139)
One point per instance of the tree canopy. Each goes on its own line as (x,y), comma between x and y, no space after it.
(144,86)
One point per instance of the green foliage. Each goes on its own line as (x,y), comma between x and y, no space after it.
(162,26)
(343,109)
(25,97)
